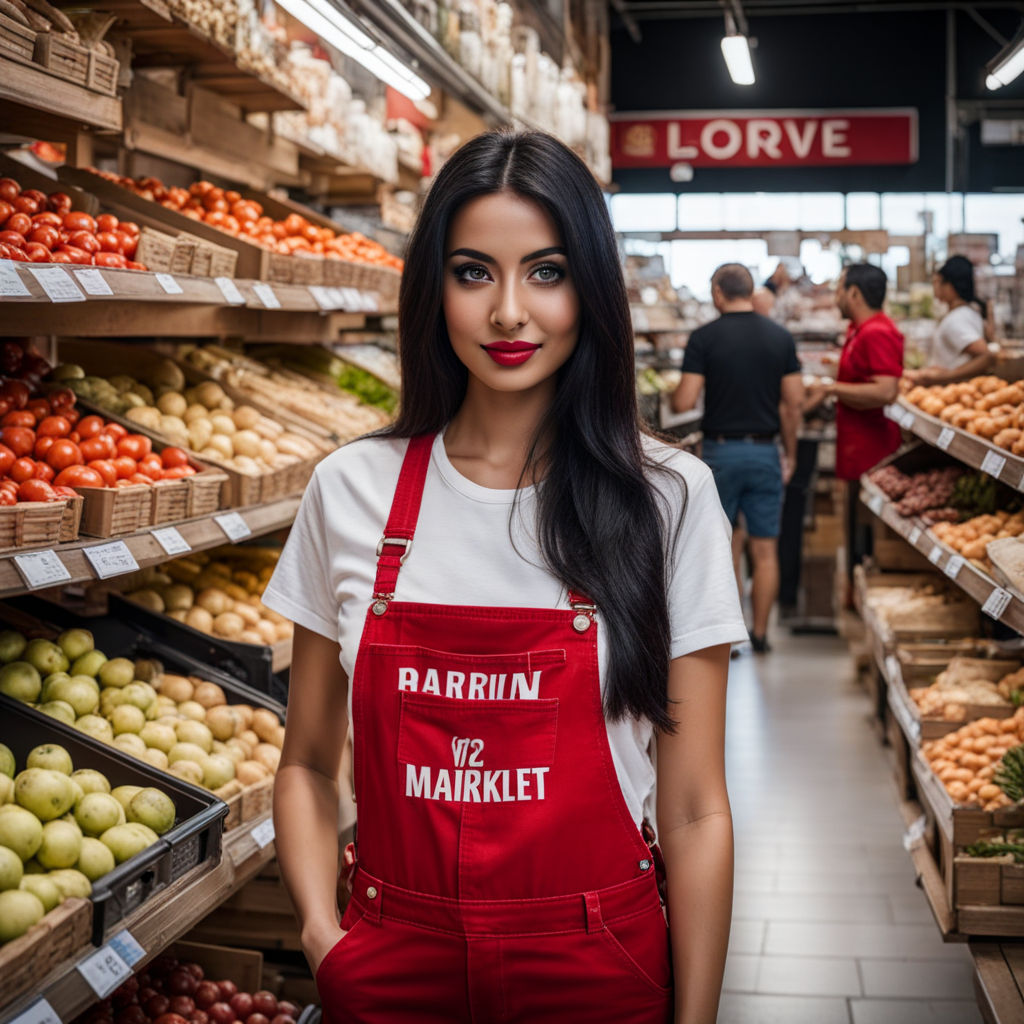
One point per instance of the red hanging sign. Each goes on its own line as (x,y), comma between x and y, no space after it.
(764,138)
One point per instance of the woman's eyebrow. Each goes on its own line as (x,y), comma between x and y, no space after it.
(473,254)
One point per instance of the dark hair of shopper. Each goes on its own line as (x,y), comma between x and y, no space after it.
(958,273)
(734,281)
(871,281)
(599,524)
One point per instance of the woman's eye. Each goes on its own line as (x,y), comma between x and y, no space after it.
(471,272)
(548,273)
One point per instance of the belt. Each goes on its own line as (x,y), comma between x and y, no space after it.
(752,438)
(578,912)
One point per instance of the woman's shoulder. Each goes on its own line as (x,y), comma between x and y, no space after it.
(372,458)
(667,457)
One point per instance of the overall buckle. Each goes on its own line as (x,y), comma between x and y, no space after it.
(404,541)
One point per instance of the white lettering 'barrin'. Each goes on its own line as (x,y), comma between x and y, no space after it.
(470,786)
(472,685)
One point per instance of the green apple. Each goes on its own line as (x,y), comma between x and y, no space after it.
(124,842)
(96,812)
(130,743)
(71,882)
(20,680)
(7,789)
(46,656)
(33,867)
(19,910)
(153,808)
(59,709)
(96,859)
(91,781)
(162,737)
(218,770)
(61,846)
(41,886)
(10,869)
(127,718)
(20,831)
(124,794)
(88,664)
(96,727)
(75,642)
(157,758)
(82,692)
(189,731)
(140,694)
(186,752)
(12,645)
(46,793)
(52,756)
(7,763)
(117,672)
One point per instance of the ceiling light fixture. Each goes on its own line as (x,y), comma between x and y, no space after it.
(1008,64)
(736,45)
(336,30)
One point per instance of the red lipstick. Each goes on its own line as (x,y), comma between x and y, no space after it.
(510,353)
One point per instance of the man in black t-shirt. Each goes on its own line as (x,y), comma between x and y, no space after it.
(753,392)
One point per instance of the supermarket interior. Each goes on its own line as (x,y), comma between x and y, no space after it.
(205,212)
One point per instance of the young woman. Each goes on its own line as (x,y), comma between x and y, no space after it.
(960,349)
(507,595)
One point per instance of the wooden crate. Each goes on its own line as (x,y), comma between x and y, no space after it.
(156,251)
(31,524)
(62,933)
(243,966)
(16,40)
(103,72)
(71,520)
(63,58)
(170,501)
(114,511)
(204,492)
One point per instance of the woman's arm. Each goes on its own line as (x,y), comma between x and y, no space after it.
(981,359)
(695,831)
(306,789)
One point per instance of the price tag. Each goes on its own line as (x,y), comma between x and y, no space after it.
(350,298)
(953,567)
(230,291)
(266,295)
(40,1012)
(171,541)
(233,525)
(908,420)
(11,283)
(169,285)
(337,297)
(93,281)
(322,296)
(112,559)
(915,535)
(915,833)
(104,971)
(945,438)
(993,464)
(41,569)
(125,945)
(935,555)
(58,284)
(893,412)
(996,603)
(876,503)
(263,833)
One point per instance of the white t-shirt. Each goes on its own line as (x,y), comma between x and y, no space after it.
(957,329)
(463,555)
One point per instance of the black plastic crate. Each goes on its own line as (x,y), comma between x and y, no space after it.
(194,839)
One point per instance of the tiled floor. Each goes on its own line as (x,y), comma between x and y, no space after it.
(828,925)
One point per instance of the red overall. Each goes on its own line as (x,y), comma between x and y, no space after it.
(500,876)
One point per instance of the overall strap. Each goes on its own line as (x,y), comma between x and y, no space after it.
(394,546)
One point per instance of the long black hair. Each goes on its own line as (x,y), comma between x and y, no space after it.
(958,273)
(599,525)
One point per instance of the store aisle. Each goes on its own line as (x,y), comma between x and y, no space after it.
(828,925)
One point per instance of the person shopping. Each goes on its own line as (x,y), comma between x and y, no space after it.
(960,349)
(523,606)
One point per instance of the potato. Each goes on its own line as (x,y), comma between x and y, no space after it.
(149,599)
(249,615)
(245,464)
(246,442)
(171,403)
(192,709)
(250,738)
(268,755)
(249,636)
(176,688)
(228,625)
(195,412)
(249,772)
(221,721)
(178,615)
(209,694)
(199,433)
(245,714)
(209,394)
(267,631)
(178,597)
(199,618)
(221,446)
(264,723)
(245,417)
(214,600)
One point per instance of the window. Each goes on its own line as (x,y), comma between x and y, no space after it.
(654,212)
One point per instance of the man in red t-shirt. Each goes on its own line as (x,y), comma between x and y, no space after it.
(870,368)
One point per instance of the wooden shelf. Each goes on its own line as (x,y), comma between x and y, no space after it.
(999,981)
(202,532)
(159,920)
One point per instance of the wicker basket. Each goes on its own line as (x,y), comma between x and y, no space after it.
(113,511)
(204,492)
(156,250)
(307,269)
(31,524)
(71,520)
(170,501)
(341,273)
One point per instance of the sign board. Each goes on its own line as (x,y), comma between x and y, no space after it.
(764,138)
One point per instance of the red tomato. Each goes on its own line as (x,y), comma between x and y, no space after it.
(75,255)
(171,457)
(53,426)
(13,238)
(151,466)
(39,407)
(176,473)
(34,193)
(72,416)
(78,220)
(125,467)
(114,260)
(8,498)
(20,418)
(22,469)
(78,476)
(20,440)
(109,242)
(135,446)
(115,430)
(132,265)
(7,458)
(37,252)
(45,234)
(129,228)
(25,204)
(6,209)
(64,492)
(140,478)
(9,189)
(36,490)
(86,240)
(43,471)
(47,217)
(61,257)
(62,400)
(90,426)
(17,391)
(106,222)
(64,453)
(42,446)
(59,202)
(106,469)
(102,446)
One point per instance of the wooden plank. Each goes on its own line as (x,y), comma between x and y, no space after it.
(934,889)
(999,995)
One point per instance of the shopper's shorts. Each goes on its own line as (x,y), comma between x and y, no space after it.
(748,475)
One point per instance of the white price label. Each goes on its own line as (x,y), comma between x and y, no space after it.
(171,541)
(322,296)
(953,567)
(104,971)
(58,284)
(233,525)
(337,297)
(907,420)
(263,833)
(42,569)
(230,291)
(266,295)
(40,1012)
(112,559)
(350,298)
(915,833)
(125,945)
(876,503)
(93,281)
(169,285)
(935,555)
(893,412)
(915,535)
(10,283)
(993,464)
(996,603)
(945,438)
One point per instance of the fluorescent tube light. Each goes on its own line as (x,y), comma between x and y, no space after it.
(1007,64)
(338,31)
(736,50)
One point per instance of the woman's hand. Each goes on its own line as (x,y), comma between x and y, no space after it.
(318,939)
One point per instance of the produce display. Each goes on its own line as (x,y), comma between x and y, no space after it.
(172,991)
(226,210)
(180,725)
(40,228)
(216,592)
(62,829)
(987,406)
(925,606)
(966,760)
(999,843)
(201,418)
(967,681)
(971,538)
(927,494)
